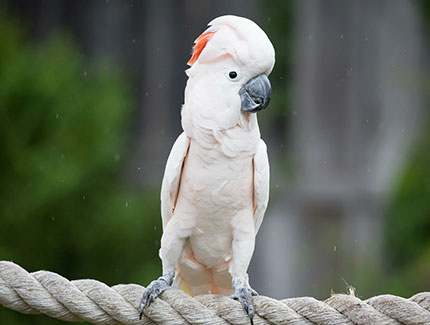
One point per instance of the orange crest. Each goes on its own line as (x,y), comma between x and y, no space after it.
(199,45)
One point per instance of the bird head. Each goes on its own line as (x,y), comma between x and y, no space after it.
(230,64)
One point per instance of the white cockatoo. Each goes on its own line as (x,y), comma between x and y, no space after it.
(216,182)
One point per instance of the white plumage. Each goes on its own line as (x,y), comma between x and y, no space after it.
(216,183)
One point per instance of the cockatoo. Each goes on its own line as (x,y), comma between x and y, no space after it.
(215,188)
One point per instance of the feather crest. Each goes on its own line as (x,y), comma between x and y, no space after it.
(199,45)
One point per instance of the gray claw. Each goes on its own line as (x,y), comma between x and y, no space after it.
(244,295)
(154,289)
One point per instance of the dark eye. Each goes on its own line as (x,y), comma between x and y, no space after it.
(232,74)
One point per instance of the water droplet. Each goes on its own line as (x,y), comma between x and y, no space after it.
(341,36)
(83,197)
(334,248)
(117,157)
(126,204)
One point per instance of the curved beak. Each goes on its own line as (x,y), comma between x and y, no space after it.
(255,94)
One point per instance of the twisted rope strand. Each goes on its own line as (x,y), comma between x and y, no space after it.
(48,293)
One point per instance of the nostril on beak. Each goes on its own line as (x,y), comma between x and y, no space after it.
(258,100)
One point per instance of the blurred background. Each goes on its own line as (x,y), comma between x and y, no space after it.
(90,97)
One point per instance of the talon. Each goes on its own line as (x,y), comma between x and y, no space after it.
(244,295)
(154,289)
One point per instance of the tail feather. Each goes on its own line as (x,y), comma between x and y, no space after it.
(195,279)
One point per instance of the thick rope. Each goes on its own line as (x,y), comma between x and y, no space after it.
(48,293)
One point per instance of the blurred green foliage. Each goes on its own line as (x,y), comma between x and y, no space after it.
(63,134)
(407,244)
(278,26)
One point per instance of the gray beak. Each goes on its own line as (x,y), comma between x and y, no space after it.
(255,94)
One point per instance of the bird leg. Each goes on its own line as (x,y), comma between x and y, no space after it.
(172,245)
(244,294)
(154,289)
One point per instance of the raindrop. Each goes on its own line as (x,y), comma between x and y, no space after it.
(53,218)
(85,73)
(126,204)
(83,197)
(56,116)
(117,157)
(341,36)
(155,227)
(334,248)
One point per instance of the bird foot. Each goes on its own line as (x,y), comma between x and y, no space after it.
(154,289)
(244,295)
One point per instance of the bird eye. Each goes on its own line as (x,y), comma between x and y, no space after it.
(232,74)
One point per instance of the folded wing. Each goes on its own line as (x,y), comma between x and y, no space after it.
(261,184)
(172,177)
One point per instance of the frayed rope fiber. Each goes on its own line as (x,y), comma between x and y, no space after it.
(48,293)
